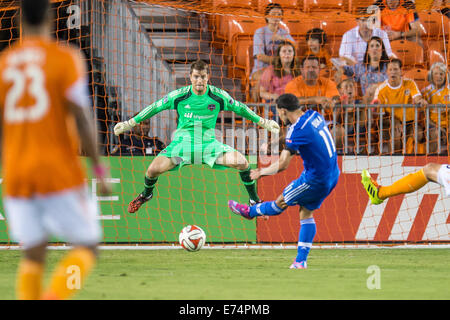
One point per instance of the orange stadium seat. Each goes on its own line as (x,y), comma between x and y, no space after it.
(436,52)
(325,5)
(247,21)
(434,25)
(409,52)
(337,23)
(419,75)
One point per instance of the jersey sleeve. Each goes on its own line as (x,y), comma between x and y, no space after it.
(295,138)
(414,90)
(165,103)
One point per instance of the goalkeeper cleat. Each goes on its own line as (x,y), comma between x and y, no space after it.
(371,187)
(298,265)
(240,209)
(138,202)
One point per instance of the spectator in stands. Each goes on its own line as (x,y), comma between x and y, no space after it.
(354,42)
(316,39)
(347,118)
(138,143)
(313,90)
(438,93)
(371,72)
(398,90)
(400,20)
(285,67)
(265,44)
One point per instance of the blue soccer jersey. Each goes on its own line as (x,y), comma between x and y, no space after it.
(310,137)
(313,141)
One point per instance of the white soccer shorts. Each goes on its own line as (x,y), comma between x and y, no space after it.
(444,178)
(70,216)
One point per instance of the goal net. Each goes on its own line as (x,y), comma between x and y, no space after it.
(136,52)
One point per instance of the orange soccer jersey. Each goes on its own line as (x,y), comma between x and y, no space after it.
(403,94)
(398,19)
(437,96)
(40,143)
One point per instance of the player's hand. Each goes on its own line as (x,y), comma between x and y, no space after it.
(270,125)
(124,126)
(255,174)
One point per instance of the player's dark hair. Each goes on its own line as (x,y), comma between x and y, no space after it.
(288,101)
(34,12)
(199,65)
(397,61)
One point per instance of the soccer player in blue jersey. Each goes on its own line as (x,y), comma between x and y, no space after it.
(309,136)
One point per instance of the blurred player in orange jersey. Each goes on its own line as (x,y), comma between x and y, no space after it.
(44,108)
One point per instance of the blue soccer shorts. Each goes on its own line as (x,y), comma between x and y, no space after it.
(308,194)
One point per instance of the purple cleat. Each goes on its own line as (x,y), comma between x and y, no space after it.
(240,209)
(298,265)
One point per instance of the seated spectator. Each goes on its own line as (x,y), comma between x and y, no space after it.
(438,93)
(354,42)
(371,72)
(138,143)
(400,20)
(265,44)
(347,119)
(399,90)
(316,39)
(285,67)
(311,89)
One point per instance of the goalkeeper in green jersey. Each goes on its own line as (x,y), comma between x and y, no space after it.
(194,141)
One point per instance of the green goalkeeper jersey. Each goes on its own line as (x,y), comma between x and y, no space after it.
(197,114)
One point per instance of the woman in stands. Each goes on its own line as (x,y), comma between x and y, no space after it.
(372,71)
(285,67)
(438,93)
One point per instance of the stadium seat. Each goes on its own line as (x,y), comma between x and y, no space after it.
(246,22)
(419,75)
(335,24)
(242,62)
(325,5)
(436,52)
(285,4)
(434,25)
(409,52)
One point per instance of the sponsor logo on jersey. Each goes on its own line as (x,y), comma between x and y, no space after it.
(187,106)
(211,107)
(166,99)
(407,92)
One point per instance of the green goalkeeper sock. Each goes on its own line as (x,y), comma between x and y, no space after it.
(149,184)
(249,184)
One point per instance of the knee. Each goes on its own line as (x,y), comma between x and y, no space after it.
(241,163)
(431,170)
(281,203)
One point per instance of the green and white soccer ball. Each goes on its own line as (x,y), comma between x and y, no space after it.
(192,238)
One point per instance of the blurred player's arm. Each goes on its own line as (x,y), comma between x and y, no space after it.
(148,112)
(78,105)
(278,166)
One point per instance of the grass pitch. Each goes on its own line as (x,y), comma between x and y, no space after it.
(254,274)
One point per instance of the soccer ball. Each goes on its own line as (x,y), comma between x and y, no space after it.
(192,238)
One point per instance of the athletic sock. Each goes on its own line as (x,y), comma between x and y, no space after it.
(305,238)
(70,274)
(269,208)
(410,183)
(29,280)
(149,184)
(249,184)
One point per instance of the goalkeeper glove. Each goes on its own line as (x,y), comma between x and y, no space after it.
(270,125)
(121,127)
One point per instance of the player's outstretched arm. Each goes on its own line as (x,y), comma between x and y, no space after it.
(278,166)
(156,107)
